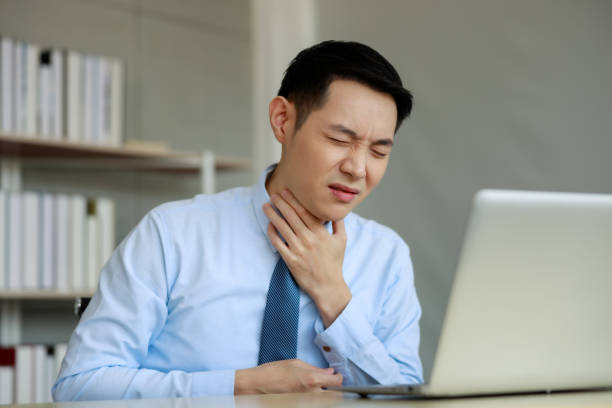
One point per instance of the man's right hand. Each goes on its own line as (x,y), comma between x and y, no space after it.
(284,376)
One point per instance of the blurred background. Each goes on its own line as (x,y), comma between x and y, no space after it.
(510,94)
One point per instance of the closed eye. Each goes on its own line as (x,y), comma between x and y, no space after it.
(338,140)
(379,154)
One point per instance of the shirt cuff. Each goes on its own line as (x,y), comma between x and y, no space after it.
(213,383)
(346,336)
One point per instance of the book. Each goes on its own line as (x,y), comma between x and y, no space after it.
(15,246)
(7,375)
(6,84)
(44,95)
(50,373)
(26,88)
(88,105)
(62,207)
(93,251)
(39,370)
(31,91)
(73,109)
(98,102)
(3,240)
(107,90)
(117,102)
(19,87)
(78,212)
(23,374)
(56,100)
(30,249)
(47,241)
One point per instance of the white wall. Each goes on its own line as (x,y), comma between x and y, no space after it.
(508,94)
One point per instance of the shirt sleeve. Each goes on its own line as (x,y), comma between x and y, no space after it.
(127,312)
(387,353)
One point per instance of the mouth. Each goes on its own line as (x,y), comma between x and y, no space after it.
(343,193)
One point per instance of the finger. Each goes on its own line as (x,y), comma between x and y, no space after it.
(305,365)
(331,380)
(295,222)
(337,380)
(328,370)
(310,220)
(279,223)
(278,243)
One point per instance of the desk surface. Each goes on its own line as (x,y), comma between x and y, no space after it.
(330,399)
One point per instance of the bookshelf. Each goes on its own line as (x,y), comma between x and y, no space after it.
(18,151)
(62,109)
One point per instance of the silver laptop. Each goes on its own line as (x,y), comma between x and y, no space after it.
(531,305)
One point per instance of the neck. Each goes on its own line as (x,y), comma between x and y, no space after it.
(274,182)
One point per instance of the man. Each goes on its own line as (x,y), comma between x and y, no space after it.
(273,288)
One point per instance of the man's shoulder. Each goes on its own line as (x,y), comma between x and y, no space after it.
(362,228)
(205,204)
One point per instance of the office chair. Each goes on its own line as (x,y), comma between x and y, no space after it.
(80,304)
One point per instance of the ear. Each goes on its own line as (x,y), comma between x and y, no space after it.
(282,118)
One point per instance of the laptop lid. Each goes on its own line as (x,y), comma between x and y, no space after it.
(531,304)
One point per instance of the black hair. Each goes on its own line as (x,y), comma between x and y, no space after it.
(307,79)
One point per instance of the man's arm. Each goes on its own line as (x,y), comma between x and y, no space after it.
(116,382)
(129,309)
(361,353)
(112,339)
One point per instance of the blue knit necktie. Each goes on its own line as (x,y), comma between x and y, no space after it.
(280,322)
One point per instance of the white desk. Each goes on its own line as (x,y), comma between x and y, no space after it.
(332,399)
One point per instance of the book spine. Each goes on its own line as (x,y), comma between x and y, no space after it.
(89,98)
(7,375)
(23,374)
(31,89)
(15,246)
(44,82)
(117,102)
(39,361)
(30,240)
(62,248)
(3,240)
(77,232)
(92,251)
(74,107)
(6,85)
(57,94)
(98,101)
(19,57)
(47,234)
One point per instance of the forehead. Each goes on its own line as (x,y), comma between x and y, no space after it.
(366,111)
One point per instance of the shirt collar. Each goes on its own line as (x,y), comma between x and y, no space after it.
(260,197)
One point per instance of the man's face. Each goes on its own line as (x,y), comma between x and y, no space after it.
(341,151)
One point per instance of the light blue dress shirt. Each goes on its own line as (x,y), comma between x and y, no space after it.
(180,304)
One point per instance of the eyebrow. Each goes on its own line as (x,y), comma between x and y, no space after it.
(352,134)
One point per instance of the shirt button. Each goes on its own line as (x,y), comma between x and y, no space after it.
(327,349)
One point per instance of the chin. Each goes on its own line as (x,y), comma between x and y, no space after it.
(335,215)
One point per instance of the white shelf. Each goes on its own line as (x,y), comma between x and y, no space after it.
(63,154)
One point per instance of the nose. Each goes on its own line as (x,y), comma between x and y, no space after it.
(355,164)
